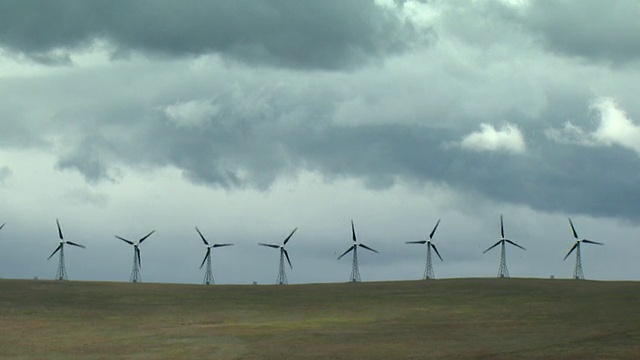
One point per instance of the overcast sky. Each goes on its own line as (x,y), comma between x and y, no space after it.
(250,118)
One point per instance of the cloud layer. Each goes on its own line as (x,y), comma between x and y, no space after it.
(331,35)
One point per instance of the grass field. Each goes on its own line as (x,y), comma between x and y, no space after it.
(448,319)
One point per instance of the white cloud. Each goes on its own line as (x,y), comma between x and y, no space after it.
(508,138)
(615,128)
(191,113)
(570,134)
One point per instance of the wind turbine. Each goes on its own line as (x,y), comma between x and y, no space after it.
(503,272)
(135,270)
(355,272)
(577,271)
(282,275)
(3,224)
(428,270)
(208,273)
(62,272)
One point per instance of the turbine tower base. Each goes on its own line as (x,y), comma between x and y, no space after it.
(503,272)
(428,269)
(355,272)
(208,273)
(61,274)
(577,271)
(282,275)
(135,270)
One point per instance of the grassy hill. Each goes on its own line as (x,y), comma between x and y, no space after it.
(459,318)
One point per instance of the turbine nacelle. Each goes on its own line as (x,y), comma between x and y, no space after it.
(282,278)
(503,240)
(62,273)
(61,242)
(576,245)
(503,272)
(208,247)
(428,241)
(356,244)
(137,260)
(355,272)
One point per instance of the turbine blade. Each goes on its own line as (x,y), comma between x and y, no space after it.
(205,257)
(514,244)
(55,251)
(436,250)
(286,254)
(145,237)
(434,229)
(368,248)
(289,237)
(59,230)
(501,227)
(575,234)
(202,237)
(494,245)
(3,224)
(125,240)
(221,245)
(270,245)
(416,242)
(138,253)
(592,242)
(346,252)
(570,251)
(74,244)
(353,232)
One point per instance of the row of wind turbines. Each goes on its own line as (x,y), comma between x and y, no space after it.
(503,271)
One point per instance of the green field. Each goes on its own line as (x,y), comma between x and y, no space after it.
(448,319)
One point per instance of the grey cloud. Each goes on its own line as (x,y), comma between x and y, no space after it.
(592,29)
(92,170)
(86,196)
(259,134)
(86,158)
(589,29)
(549,176)
(313,35)
(5,173)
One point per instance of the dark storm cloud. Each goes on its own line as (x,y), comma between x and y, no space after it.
(301,34)
(86,158)
(244,131)
(255,152)
(592,29)
(554,178)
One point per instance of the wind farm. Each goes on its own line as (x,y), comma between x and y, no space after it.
(225,142)
(284,259)
(249,321)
